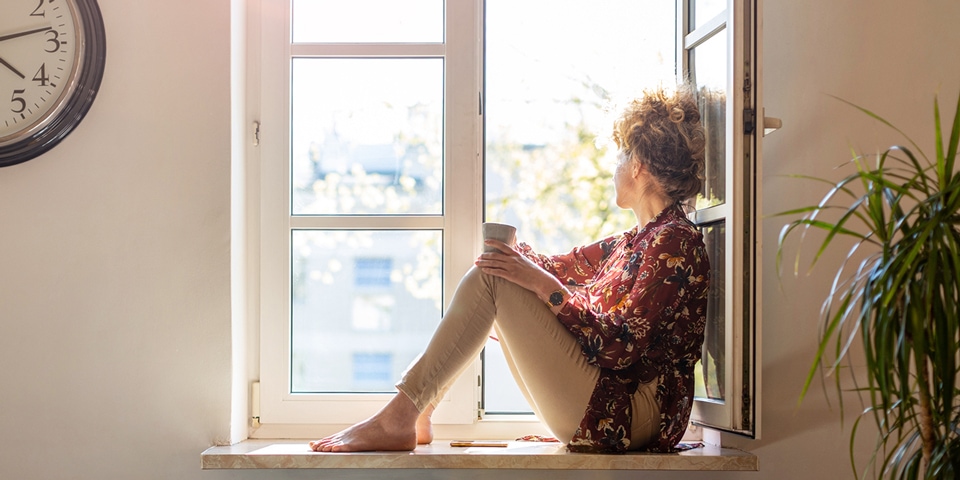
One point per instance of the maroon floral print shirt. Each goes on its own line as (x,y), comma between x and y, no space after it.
(639,317)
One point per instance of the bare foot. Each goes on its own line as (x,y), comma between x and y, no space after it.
(393,428)
(370,435)
(425,426)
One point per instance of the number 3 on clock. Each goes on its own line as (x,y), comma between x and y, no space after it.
(63,43)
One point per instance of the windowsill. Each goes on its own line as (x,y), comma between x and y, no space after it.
(295,454)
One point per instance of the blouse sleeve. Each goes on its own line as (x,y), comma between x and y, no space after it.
(578,266)
(651,299)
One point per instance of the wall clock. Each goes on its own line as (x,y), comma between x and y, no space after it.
(52,55)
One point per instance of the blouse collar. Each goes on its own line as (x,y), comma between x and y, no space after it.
(670,212)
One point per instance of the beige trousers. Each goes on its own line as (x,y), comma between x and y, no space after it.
(542,355)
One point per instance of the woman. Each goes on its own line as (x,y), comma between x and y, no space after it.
(603,340)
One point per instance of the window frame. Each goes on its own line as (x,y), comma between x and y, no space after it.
(739,412)
(459,220)
(283,415)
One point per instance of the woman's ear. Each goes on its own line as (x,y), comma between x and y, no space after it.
(638,167)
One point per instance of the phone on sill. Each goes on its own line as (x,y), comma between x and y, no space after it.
(479,443)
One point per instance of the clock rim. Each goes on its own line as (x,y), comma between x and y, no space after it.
(76,106)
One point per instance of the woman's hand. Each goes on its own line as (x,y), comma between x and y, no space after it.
(509,264)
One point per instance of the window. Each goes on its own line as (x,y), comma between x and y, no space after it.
(549,101)
(718,48)
(385,141)
(366,202)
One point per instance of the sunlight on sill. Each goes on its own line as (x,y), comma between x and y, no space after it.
(295,454)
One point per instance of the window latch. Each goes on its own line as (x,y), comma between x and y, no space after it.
(749,121)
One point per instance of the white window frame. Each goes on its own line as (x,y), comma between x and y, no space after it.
(459,221)
(739,411)
(281,414)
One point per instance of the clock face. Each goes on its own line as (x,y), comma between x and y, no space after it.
(51,63)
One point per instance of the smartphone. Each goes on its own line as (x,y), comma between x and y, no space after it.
(479,443)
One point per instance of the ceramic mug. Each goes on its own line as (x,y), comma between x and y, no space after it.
(499,231)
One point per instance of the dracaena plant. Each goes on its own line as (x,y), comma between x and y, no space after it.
(898,293)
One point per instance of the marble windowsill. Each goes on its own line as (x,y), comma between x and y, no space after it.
(267,454)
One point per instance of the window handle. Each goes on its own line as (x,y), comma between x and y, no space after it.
(771,124)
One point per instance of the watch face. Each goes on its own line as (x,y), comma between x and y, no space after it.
(51,63)
(556,298)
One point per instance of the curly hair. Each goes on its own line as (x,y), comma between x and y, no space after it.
(663,131)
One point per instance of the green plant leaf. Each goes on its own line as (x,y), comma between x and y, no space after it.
(902,302)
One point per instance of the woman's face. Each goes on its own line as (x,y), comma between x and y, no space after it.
(623,181)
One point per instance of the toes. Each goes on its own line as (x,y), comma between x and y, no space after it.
(319,445)
(332,447)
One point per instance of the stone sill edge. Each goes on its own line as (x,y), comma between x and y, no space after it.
(294,454)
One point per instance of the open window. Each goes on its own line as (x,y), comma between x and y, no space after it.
(718,51)
(388,131)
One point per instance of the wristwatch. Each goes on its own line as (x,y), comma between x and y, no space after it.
(556,298)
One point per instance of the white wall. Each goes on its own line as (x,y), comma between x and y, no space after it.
(115,263)
(115,357)
(890,57)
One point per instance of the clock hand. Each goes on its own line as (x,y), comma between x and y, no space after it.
(25,33)
(14,70)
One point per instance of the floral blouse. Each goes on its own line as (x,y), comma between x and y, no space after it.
(639,317)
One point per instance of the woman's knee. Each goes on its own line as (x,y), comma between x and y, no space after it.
(476,279)
(514,299)
(473,279)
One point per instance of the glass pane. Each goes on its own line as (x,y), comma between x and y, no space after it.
(703,11)
(551,98)
(710,370)
(501,393)
(364,303)
(550,105)
(368,21)
(709,71)
(367,136)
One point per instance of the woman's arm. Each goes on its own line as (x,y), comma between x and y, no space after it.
(659,286)
(545,275)
(509,264)
(576,267)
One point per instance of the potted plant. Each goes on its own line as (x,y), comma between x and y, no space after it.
(898,291)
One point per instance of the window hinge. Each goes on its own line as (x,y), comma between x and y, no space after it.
(255,404)
(749,121)
(256,133)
